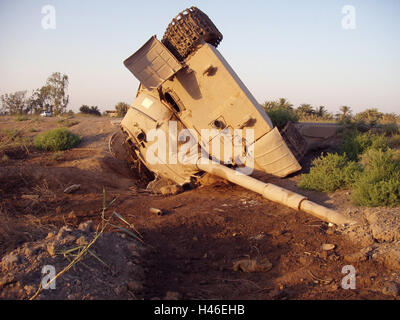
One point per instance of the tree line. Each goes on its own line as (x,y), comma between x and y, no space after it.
(282,108)
(52,97)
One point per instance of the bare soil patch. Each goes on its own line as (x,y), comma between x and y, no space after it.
(195,245)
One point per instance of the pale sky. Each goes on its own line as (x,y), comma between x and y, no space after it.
(279,48)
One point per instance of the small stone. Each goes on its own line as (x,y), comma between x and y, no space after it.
(68,239)
(135,286)
(72,215)
(355,257)
(275,293)
(30,290)
(10,260)
(63,232)
(172,295)
(30,196)
(257,237)
(50,235)
(171,190)
(323,255)
(133,249)
(306,260)
(81,241)
(390,288)
(248,265)
(51,249)
(86,227)
(28,252)
(72,188)
(328,246)
(334,287)
(122,289)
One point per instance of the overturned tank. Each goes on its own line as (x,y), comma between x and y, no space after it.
(192,114)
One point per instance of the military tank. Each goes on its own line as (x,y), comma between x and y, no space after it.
(192,114)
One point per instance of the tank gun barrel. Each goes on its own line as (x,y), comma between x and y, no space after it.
(273,193)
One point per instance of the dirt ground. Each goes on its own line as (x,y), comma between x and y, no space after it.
(192,248)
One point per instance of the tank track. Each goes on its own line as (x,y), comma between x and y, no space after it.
(294,140)
(187,30)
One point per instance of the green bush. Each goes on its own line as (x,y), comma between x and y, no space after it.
(21,118)
(355,144)
(330,173)
(379,183)
(387,129)
(394,141)
(280,116)
(122,108)
(67,122)
(56,140)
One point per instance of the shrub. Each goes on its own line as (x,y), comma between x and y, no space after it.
(379,183)
(56,140)
(330,173)
(13,140)
(94,110)
(21,118)
(387,129)
(394,141)
(57,156)
(122,109)
(355,144)
(67,122)
(280,116)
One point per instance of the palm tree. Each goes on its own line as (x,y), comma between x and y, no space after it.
(321,111)
(346,111)
(285,104)
(306,109)
(282,103)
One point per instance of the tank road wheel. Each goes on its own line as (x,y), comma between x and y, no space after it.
(187,30)
(117,148)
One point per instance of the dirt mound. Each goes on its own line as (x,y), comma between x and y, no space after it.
(110,270)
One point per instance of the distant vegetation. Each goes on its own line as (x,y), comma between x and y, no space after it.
(281,111)
(122,109)
(94,110)
(51,97)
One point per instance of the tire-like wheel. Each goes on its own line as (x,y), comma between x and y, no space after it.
(187,30)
